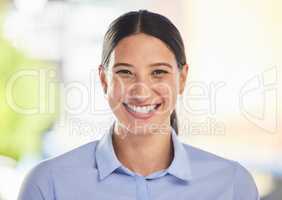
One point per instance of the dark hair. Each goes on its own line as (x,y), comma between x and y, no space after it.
(149,23)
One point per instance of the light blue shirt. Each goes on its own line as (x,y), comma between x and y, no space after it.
(93,172)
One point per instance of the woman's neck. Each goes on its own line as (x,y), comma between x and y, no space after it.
(144,154)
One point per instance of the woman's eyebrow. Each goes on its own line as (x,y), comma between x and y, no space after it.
(122,64)
(151,65)
(161,64)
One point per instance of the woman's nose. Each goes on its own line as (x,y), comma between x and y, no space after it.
(140,91)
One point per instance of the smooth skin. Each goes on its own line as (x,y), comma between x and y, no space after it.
(143,71)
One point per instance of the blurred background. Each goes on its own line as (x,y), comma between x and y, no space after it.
(51,100)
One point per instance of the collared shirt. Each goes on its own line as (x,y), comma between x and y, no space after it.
(93,172)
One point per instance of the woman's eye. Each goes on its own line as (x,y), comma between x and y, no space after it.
(124,72)
(159,72)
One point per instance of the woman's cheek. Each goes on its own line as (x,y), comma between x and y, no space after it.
(167,91)
(115,95)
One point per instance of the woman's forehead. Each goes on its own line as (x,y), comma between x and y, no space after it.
(142,48)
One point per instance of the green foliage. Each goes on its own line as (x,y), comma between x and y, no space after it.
(20,133)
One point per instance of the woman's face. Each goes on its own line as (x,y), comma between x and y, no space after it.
(142,83)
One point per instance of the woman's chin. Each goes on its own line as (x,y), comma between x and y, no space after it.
(144,128)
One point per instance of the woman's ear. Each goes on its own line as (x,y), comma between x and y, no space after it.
(182,78)
(103,78)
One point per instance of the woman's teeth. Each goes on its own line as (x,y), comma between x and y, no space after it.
(141,109)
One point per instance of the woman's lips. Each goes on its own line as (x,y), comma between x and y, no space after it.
(142,112)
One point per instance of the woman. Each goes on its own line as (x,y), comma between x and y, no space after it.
(143,70)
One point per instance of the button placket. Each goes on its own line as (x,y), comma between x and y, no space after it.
(142,192)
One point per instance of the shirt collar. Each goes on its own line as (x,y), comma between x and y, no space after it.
(180,166)
(107,162)
(106,158)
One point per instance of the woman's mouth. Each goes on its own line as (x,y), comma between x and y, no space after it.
(142,112)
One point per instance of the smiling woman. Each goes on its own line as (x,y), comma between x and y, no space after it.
(147,71)
(143,70)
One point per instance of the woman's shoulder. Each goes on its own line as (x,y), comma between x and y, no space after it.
(206,165)
(198,156)
(79,157)
(205,162)
(40,179)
